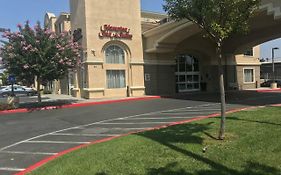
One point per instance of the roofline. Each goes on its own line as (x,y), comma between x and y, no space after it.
(276,62)
(155,13)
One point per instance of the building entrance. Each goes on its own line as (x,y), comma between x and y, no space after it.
(187,73)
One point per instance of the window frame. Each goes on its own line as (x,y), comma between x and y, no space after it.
(114,47)
(244,77)
(119,78)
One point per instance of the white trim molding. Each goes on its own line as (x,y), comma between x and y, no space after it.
(137,63)
(159,62)
(94,62)
(137,87)
(254,75)
(248,64)
(94,89)
(75,89)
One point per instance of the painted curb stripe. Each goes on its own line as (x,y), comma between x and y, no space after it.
(44,161)
(270,90)
(76,105)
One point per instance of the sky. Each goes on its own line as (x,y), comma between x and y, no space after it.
(13,12)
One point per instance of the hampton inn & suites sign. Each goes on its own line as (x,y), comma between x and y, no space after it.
(109,31)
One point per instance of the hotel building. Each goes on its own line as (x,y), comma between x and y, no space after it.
(127,52)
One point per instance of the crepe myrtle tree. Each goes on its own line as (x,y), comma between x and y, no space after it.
(220,20)
(38,53)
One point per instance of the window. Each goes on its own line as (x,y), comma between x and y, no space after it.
(83,81)
(115,79)
(114,55)
(249,52)
(61,27)
(249,75)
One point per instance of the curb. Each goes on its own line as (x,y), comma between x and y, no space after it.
(76,105)
(269,90)
(48,159)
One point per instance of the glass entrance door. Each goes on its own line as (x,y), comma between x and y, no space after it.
(187,74)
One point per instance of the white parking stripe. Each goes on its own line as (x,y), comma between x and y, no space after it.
(86,135)
(56,142)
(134,123)
(11,169)
(31,153)
(98,127)
(191,111)
(161,118)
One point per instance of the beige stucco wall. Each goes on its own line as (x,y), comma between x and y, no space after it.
(84,15)
(240,75)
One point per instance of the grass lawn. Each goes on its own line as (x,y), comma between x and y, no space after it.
(252,147)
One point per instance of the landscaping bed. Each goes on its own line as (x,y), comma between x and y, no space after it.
(252,147)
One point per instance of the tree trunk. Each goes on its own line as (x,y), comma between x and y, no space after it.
(39,90)
(222,93)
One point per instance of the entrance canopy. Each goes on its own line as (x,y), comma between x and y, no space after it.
(265,26)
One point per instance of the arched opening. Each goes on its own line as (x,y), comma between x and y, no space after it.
(115,75)
(114,55)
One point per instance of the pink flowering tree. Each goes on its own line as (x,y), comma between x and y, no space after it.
(39,54)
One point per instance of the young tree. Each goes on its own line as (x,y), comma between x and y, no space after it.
(220,19)
(39,54)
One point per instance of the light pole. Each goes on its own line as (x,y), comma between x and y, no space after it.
(273,66)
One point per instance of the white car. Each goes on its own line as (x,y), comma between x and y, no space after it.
(18,90)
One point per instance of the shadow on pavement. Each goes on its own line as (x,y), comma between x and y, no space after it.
(55,104)
(250,98)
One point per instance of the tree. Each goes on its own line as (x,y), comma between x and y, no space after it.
(4,77)
(39,54)
(220,19)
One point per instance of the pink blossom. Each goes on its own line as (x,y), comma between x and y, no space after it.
(6,34)
(61,49)
(48,32)
(23,43)
(19,25)
(34,50)
(61,61)
(25,66)
(52,36)
(58,46)
(36,27)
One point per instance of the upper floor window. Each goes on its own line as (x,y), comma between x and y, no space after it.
(114,55)
(249,52)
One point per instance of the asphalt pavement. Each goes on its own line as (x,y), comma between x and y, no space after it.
(27,138)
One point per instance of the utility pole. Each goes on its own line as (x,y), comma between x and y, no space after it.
(273,65)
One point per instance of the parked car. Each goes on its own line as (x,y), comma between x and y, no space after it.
(18,90)
(268,83)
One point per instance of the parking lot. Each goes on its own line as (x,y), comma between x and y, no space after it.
(30,137)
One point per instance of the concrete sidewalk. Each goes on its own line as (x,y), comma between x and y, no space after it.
(50,102)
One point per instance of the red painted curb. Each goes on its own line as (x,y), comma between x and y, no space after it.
(75,105)
(277,105)
(44,161)
(270,90)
